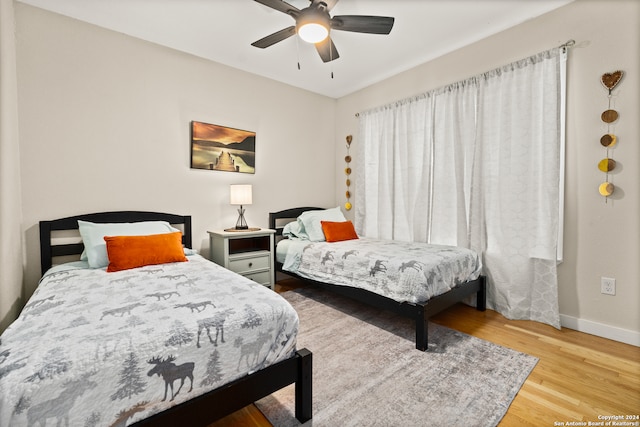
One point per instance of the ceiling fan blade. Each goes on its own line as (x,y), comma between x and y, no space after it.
(363,24)
(274,38)
(330,3)
(327,50)
(281,6)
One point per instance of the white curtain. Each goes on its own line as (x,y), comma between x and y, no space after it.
(477,164)
(454,136)
(397,150)
(11,259)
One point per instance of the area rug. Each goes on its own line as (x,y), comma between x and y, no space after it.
(367,372)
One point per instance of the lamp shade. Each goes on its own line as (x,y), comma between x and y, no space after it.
(240,194)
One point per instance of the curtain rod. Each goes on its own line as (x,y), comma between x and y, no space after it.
(569,43)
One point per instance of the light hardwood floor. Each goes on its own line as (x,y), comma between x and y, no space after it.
(579,377)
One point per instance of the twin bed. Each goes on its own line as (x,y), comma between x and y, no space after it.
(415,280)
(179,343)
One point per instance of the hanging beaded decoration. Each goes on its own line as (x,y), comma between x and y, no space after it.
(347,171)
(608,140)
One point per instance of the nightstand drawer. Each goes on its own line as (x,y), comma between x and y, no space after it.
(256,261)
(263,277)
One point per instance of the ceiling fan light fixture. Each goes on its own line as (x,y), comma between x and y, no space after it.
(313,25)
(313,32)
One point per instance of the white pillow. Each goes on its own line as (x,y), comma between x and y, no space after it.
(95,248)
(294,230)
(311,222)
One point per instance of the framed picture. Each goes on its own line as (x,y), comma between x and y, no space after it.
(220,148)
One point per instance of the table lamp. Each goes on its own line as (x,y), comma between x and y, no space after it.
(240,194)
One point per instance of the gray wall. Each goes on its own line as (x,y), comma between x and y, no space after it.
(104,125)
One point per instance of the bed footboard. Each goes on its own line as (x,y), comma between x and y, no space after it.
(444,301)
(304,386)
(204,410)
(421,313)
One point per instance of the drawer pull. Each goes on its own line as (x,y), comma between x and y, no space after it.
(250,264)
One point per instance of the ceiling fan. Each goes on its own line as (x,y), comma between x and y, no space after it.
(314,23)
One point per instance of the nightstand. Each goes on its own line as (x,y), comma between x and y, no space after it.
(249,253)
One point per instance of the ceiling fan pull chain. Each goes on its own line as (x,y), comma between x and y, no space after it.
(298,52)
(331,57)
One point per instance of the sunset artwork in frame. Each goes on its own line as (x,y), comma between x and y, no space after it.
(221,148)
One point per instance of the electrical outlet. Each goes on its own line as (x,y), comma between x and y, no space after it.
(607,285)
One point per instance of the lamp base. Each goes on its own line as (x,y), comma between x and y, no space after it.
(241,224)
(243,229)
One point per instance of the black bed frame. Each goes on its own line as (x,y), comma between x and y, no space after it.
(420,312)
(211,406)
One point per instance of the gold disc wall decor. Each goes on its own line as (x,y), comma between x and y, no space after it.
(347,171)
(609,116)
(607,165)
(608,140)
(606,189)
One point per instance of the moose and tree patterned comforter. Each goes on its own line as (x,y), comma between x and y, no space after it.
(403,271)
(92,348)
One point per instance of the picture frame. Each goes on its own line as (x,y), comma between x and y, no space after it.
(221,148)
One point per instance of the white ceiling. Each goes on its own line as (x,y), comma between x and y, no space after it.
(223,30)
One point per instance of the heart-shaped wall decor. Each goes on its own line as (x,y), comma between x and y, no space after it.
(610,80)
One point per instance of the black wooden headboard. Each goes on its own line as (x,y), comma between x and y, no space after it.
(276,218)
(49,249)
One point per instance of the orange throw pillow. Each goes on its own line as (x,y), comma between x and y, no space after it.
(338,231)
(126,252)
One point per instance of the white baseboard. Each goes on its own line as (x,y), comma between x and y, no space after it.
(601,330)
